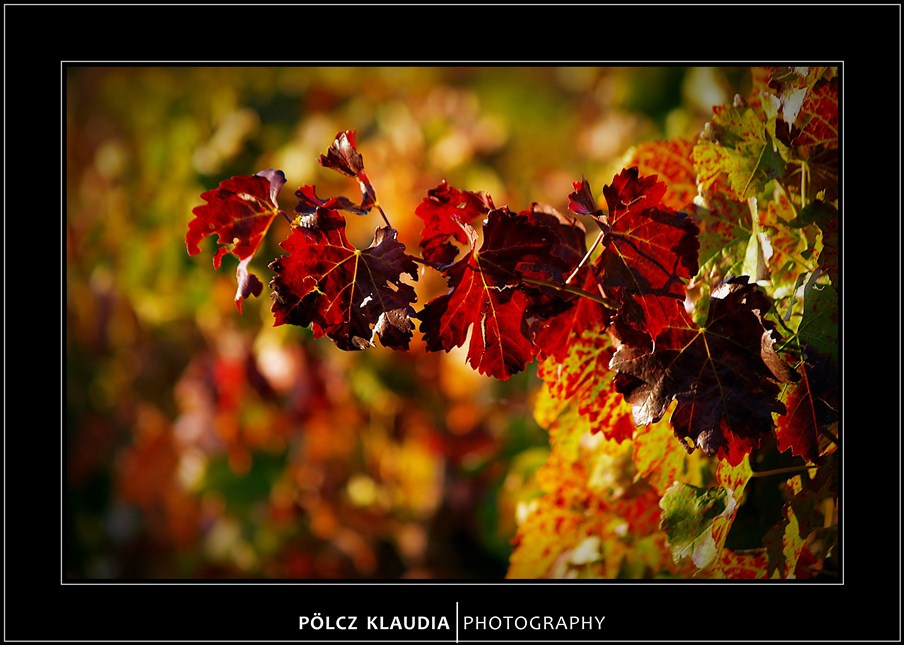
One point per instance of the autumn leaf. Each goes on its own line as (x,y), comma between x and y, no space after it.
(488,296)
(671,161)
(309,202)
(555,334)
(787,249)
(582,202)
(807,124)
(649,252)
(785,542)
(725,226)
(743,566)
(724,375)
(798,429)
(240,212)
(736,144)
(583,379)
(759,87)
(688,513)
(660,460)
(350,295)
(818,116)
(343,157)
(589,522)
(443,210)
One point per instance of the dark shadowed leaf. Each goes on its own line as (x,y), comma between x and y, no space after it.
(350,295)
(488,295)
(343,157)
(724,376)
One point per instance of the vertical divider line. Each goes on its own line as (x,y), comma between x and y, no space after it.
(456,621)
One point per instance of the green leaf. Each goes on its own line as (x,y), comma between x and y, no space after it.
(818,330)
(688,513)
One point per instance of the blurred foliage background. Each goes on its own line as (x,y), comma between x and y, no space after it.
(200,443)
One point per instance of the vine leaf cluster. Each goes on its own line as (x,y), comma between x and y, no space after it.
(709,297)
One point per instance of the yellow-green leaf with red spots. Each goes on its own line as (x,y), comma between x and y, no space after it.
(736,144)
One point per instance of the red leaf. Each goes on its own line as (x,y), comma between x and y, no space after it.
(555,335)
(308,202)
(818,117)
(349,295)
(343,157)
(443,210)
(240,212)
(648,252)
(724,376)
(582,202)
(810,405)
(488,295)
(568,244)
(630,193)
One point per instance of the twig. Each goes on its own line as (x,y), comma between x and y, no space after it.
(596,243)
(781,471)
(383,215)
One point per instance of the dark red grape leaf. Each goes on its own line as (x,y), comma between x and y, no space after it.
(342,156)
(724,376)
(488,295)
(239,212)
(568,245)
(443,210)
(649,252)
(582,201)
(350,295)
(309,202)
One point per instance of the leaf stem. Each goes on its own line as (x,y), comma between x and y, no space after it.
(804,169)
(383,215)
(788,340)
(828,435)
(544,283)
(596,243)
(569,289)
(781,471)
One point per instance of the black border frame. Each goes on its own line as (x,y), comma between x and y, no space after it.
(39,607)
